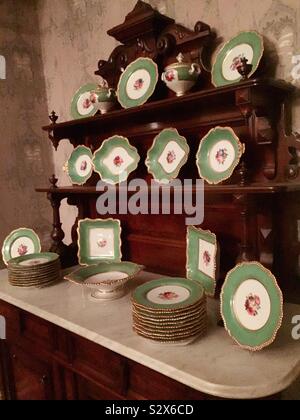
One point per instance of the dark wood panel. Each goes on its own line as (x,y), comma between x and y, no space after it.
(99,363)
(32,378)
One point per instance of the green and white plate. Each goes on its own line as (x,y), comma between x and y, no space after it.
(167,155)
(219,154)
(79,166)
(99,240)
(81,105)
(246,44)
(168,293)
(38,260)
(20,242)
(251,306)
(137,83)
(202,258)
(115,160)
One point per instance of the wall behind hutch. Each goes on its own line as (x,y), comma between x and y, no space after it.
(73,35)
(23,150)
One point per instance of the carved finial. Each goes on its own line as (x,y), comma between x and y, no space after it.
(180,58)
(53,117)
(53,181)
(244,68)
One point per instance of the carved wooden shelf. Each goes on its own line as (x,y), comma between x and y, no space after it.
(208,189)
(254,214)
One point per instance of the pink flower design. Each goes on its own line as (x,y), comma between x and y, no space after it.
(206,258)
(118,161)
(93,98)
(170,76)
(86,103)
(168,296)
(252,304)
(138,84)
(83,165)
(221,156)
(171,157)
(236,62)
(102,243)
(22,250)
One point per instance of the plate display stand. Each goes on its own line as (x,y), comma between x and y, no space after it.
(253,214)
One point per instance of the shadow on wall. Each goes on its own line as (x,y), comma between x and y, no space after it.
(27,161)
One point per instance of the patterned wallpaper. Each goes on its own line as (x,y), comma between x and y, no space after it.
(26,156)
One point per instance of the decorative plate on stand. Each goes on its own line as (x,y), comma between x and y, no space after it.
(20,242)
(79,166)
(98,240)
(247,45)
(115,160)
(251,306)
(81,105)
(107,279)
(202,258)
(167,155)
(137,83)
(219,154)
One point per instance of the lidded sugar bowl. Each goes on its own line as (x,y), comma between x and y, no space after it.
(103,98)
(180,77)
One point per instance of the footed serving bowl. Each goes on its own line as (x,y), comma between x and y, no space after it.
(107,280)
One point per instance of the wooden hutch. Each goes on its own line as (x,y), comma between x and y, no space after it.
(254,214)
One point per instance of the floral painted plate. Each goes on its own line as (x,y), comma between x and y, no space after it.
(20,242)
(79,166)
(137,83)
(106,278)
(35,260)
(81,105)
(167,155)
(202,258)
(219,154)
(168,294)
(247,45)
(251,306)
(115,160)
(99,240)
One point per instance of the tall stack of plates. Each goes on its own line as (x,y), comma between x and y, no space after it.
(34,270)
(170,310)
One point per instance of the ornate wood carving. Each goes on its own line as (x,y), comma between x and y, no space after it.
(147,33)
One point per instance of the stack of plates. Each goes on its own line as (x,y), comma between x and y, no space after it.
(170,310)
(34,270)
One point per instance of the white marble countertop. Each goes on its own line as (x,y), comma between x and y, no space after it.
(214,364)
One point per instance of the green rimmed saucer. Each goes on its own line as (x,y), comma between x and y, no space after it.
(247,45)
(79,166)
(251,306)
(81,105)
(167,155)
(99,240)
(115,160)
(202,258)
(20,242)
(137,83)
(219,154)
(168,293)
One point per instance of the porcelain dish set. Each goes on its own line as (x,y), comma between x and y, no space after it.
(218,155)
(168,310)
(139,80)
